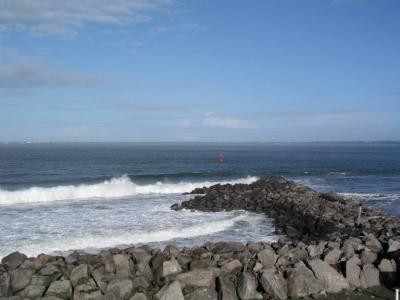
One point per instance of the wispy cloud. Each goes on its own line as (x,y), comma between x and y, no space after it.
(211,120)
(18,72)
(61,17)
(182,27)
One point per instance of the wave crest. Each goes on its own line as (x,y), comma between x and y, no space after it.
(113,188)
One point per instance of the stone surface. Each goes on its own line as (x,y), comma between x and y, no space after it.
(197,278)
(233,266)
(369,276)
(247,286)
(333,281)
(171,291)
(332,257)
(5,279)
(170,267)
(274,284)
(353,271)
(267,257)
(87,292)
(60,288)
(119,289)
(302,282)
(138,296)
(202,294)
(79,275)
(13,260)
(226,289)
(20,278)
(394,245)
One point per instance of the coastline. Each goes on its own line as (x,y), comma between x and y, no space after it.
(329,249)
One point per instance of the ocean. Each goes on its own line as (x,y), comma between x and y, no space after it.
(56,198)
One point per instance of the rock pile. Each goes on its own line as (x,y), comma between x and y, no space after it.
(344,252)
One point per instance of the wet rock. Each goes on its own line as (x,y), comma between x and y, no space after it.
(226,289)
(13,260)
(119,289)
(233,266)
(79,275)
(60,288)
(171,291)
(267,257)
(353,271)
(330,278)
(302,282)
(20,278)
(274,284)
(369,276)
(247,287)
(170,267)
(197,278)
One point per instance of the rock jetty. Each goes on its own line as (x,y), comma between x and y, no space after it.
(329,247)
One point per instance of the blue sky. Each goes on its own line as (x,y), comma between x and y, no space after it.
(176,70)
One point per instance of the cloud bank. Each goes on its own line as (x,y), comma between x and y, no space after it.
(64,17)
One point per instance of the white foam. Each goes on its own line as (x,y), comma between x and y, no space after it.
(371,196)
(96,242)
(115,187)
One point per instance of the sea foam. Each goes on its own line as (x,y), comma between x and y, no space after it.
(113,188)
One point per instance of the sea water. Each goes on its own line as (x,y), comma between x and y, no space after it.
(56,198)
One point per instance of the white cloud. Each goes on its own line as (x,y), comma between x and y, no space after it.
(227,122)
(64,17)
(19,72)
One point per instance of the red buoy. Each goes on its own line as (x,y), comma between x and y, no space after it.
(221,158)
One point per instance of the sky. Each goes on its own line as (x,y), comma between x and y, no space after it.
(199,71)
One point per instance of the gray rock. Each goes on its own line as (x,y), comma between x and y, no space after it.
(353,271)
(274,284)
(119,289)
(61,289)
(20,278)
(87,292)
(4,283)
(138,296)
(333,256)
(51,271)
(369,276)
(330,278)
(143,269)
(140,255)
(202,294)
(108,261)
(302,282)
(394,245)
(79,275)
(40,280)
(140,282)
(13,260)
(368,257)
(258,267)
(197,278)
(171,291)
(247,287)
(33,291)
(123,264)
(102,278)
(267,257)
(233,266)
(170,267)
(373,243)
(388,269)
(226,289)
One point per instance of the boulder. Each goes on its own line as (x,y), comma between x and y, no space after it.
(60,289)
(394,245)
(197,278)
(171,291)
(87,292)
(373,243)
(13,260)
(388,269)
(368,257)
(138,296)
(274,284)
(20,278)
(119,289)
(170,267)
(79,275)
(369,276)
(353,271)
(233,266)
(302,282)
(226,289)
(140,283)
(50,271)
(332,256)
(123,265)
(333,281)
(4,283)
(33,291)
(267,257)
(247,287)
(202,294)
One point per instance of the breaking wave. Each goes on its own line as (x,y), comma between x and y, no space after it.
(115,187)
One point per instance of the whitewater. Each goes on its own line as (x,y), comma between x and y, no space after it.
(113,188)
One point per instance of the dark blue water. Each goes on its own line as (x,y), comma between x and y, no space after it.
(57,178)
